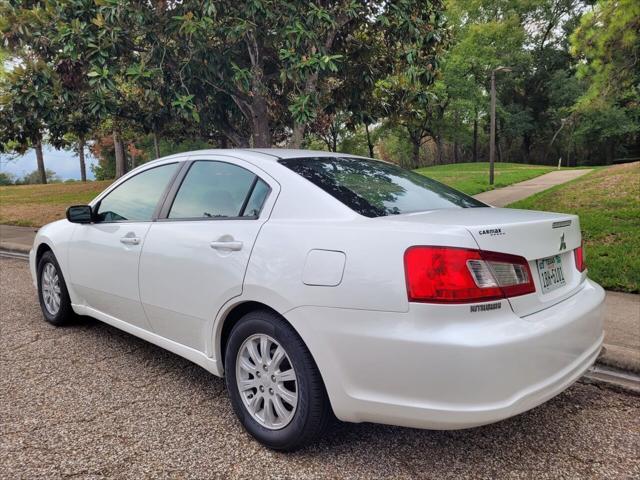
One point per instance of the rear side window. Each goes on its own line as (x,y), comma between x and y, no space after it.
(136,199)
(217,190)
(256,200)
(374,189)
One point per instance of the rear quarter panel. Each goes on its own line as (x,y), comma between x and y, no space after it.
(373,276)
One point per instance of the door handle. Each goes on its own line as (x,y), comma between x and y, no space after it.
(226,245)
(130,240)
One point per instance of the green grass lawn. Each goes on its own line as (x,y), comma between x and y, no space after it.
(608,203)
(472,178)
(36,205)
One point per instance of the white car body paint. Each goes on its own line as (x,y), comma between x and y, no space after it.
(339,279)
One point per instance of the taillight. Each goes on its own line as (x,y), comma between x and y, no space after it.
(579,255)
(460,275)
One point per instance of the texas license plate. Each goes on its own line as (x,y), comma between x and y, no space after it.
(551,274)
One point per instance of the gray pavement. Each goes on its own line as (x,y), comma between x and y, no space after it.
(501,197)
(90,401)
(16,239)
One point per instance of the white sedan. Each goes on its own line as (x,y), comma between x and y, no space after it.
(326,284)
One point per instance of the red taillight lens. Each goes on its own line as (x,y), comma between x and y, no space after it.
(459,275)
(578,254)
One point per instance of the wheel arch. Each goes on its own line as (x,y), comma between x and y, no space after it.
(42,247)
(230,318)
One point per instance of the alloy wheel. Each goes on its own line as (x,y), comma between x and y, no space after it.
(267,381)
(50,284)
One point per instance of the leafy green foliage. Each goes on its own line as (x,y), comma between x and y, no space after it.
(7,178)
(33,178)
(407,80)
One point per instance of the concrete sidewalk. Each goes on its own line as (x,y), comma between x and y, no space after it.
(622,318)
(501,197)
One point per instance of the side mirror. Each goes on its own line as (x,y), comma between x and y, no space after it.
(80,214)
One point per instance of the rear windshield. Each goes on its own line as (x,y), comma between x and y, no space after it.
(375,189)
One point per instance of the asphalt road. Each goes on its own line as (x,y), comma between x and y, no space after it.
(89,401)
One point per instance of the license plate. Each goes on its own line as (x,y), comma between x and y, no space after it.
(551,274)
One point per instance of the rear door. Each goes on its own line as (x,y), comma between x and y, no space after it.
(196,254)
(104,255)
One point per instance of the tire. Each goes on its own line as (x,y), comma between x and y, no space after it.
(58,313)
(296,426)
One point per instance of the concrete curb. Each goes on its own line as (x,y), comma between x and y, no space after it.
(14,247)
(618,380)
(620,358)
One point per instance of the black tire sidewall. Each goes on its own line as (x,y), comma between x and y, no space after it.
(289,437)
(65,313)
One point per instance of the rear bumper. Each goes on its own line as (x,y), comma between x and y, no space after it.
(442,367)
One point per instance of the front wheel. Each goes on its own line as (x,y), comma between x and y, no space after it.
(52,291)
(275,387)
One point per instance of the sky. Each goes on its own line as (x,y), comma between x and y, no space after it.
(65,163)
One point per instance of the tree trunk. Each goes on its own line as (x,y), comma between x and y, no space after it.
(121,166)
(475,138)
(610,152)
(526,147)
(40,161)
(132,155)
(297,137)
(369,144)
(83,166)
(156,144)
(334,137)
(260,122)
(439,150)
(415,158)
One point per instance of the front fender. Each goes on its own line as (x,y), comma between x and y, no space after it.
(57,237)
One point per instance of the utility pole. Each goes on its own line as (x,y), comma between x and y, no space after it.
(492,141)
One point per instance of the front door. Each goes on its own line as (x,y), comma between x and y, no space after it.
(194,260)
(104,255)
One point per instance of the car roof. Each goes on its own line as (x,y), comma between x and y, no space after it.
(272,154)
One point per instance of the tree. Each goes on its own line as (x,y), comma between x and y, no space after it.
(7,178)
(275,60)
(26,106)
(71,39)
(607,43)
(35,178)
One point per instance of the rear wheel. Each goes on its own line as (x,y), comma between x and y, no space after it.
(275,387)
(52,291)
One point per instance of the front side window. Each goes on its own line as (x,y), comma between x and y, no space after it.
(373,188)
(136,199)
(218,190)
